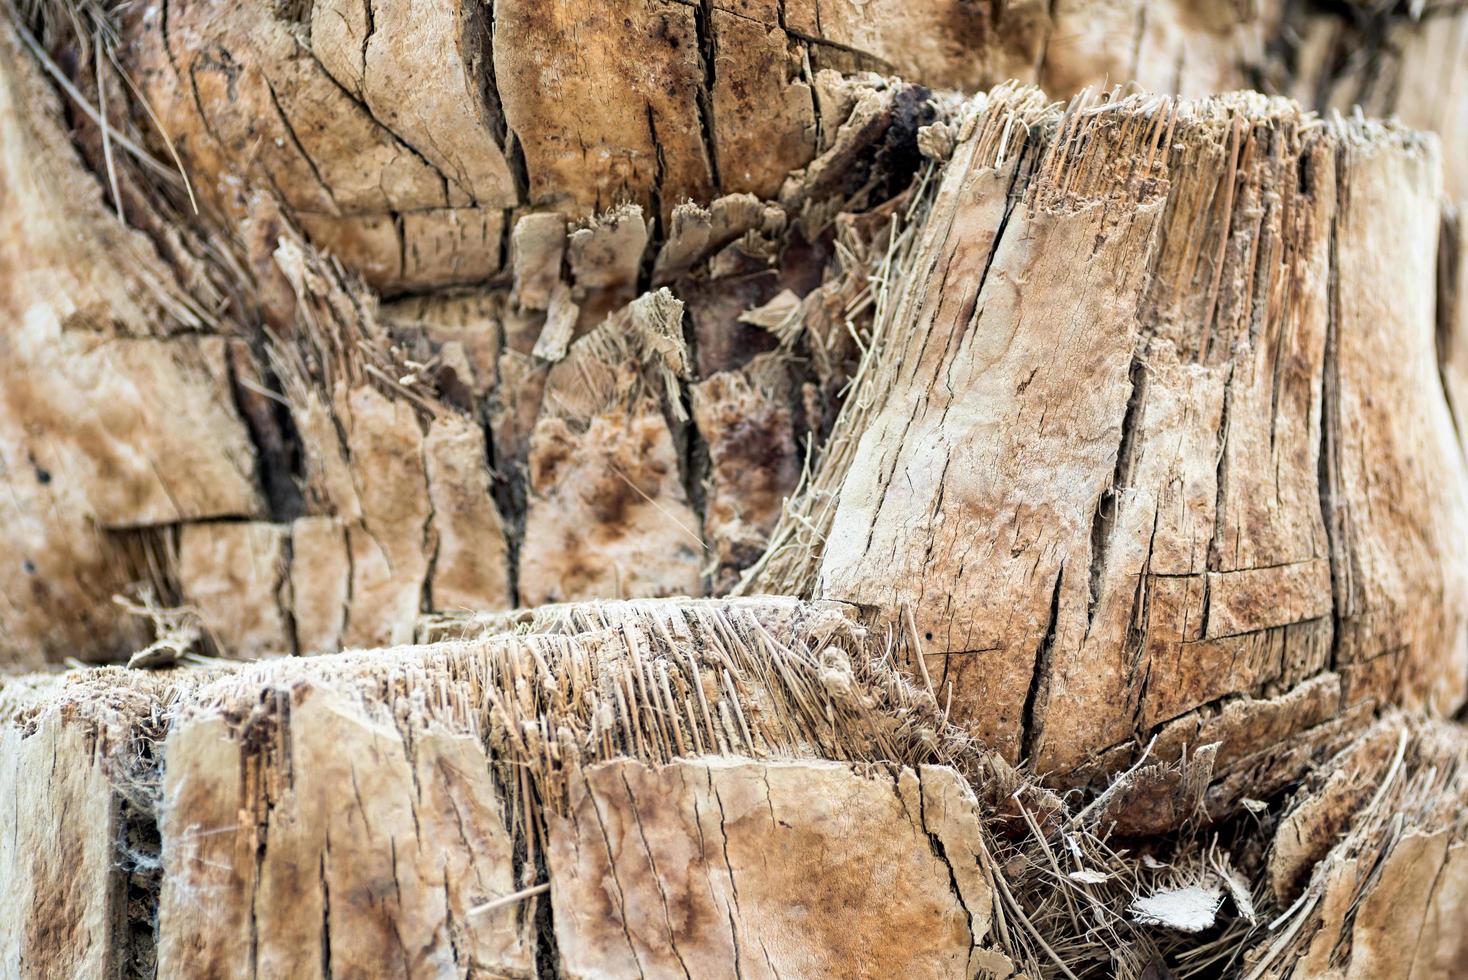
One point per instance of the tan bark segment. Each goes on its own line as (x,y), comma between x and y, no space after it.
(972,508)
(388,155)
(389,549)
(321,582)
(329,816)
(608,515)
(471,558)
(1211,540)
(77,857)
(235,574)
(1379,833)
(552,63)
(115,410)
(1093,546)
(56,906)
(1404,629)
(404,165)
(325,835)
(694,866)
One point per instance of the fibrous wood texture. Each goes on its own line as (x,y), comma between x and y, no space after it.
(1184,507)
(222,317)
(403,812)
(1102,453)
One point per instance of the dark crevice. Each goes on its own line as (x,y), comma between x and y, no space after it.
(1103,522)
(1450,307)
(284,594)
(1038,696)
(519,169)
(547,951)
(479,36)
(707,51)
(509,482)
(655,193)
(138,863)
(349,597)
(399,227)
(935,844)
(268,424)
(429,548)
(507,227)
(1214,556)
(1335,545)
(325,917)
(510,493)
(695,464)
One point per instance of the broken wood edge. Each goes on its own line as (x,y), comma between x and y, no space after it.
(739,683)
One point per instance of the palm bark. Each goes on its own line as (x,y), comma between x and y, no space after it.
(1101,455)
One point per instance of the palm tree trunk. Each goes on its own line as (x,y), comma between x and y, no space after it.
(802,503)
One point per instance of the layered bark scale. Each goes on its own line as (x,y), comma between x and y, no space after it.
(1087,551)
(321,830)
(1192,503)
(545,804)
(411,168)
(1122,424)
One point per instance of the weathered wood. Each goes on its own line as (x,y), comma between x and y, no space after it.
(1104,453)
(541,798)
(1186,507)
(486,352)
(406,169)
(118,412)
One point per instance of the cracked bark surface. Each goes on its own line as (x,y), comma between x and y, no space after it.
(402,813)
(1178,512)
(1106,453)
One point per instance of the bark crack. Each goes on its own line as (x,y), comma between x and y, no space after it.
(1037,698)
(1103,522)
(1327,465)
(616,883)
(656,876)
(707,54)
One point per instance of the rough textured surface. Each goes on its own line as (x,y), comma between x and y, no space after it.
(1114,429)
(608,515)
(80,856)
(234,573)
(690,867)
(57,901)
(419,447)
(1182,510)
(408,167)
(351,814)
(1390,60)
(746,418)
(514,194)
(543,799)
(1380,833)
(253,814)
(116,415)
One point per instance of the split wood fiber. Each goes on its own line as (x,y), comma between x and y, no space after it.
(1103,453)
(644,787)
